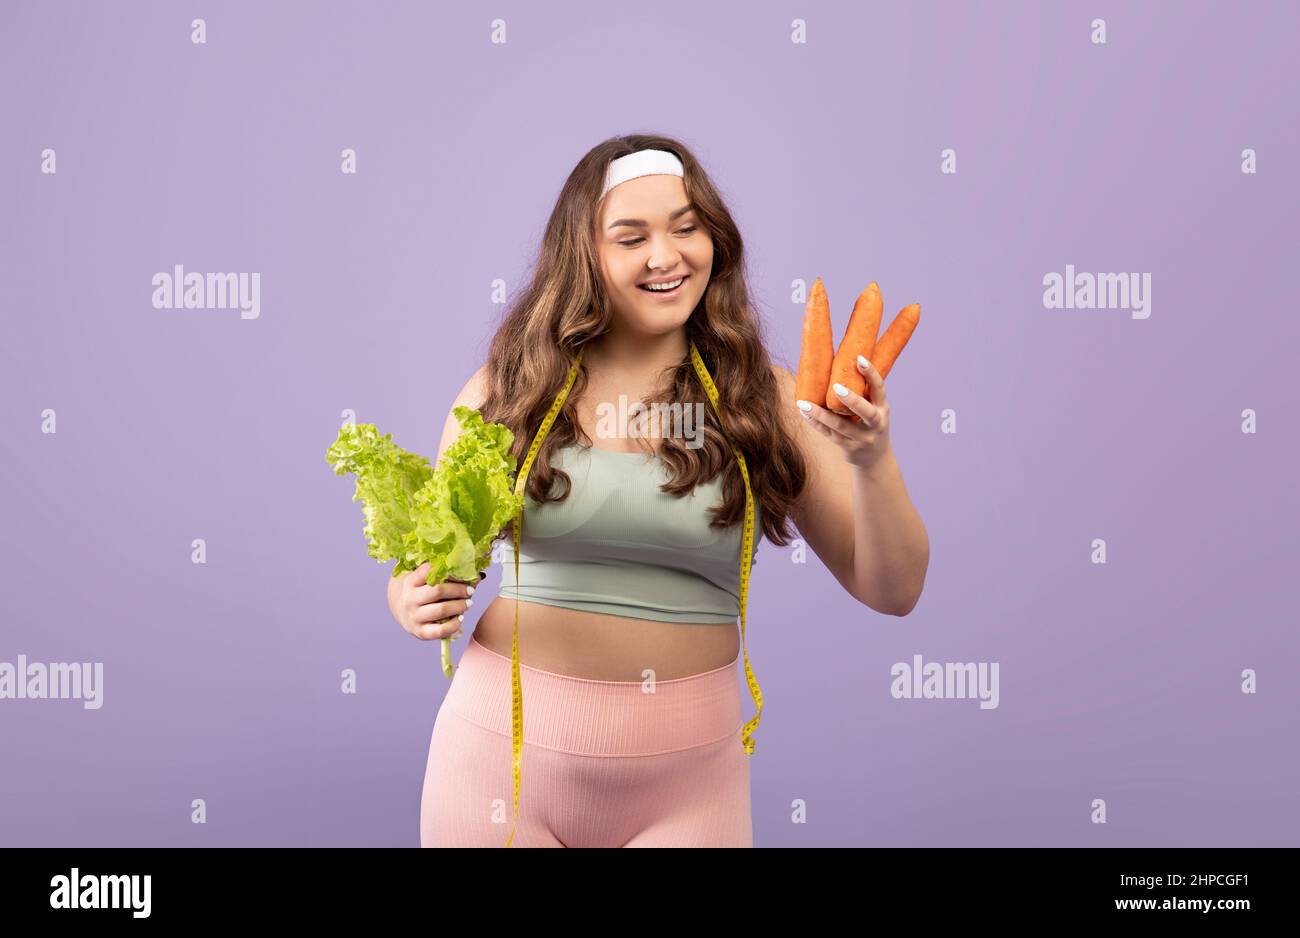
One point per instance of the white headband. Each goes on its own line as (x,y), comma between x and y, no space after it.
(641,163)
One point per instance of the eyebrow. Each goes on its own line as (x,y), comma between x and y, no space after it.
(641,222)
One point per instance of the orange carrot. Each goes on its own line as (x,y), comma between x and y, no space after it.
(818,348)
(859,339)
(891,344)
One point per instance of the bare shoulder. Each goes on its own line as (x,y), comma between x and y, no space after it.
(784,377)
(473,394)
(785,382)
(475,390)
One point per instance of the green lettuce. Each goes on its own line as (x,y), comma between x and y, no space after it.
(448,515)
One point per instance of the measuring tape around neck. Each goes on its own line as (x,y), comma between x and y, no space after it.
(746,553)
(746,560)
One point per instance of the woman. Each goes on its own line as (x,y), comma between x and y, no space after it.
(630,563)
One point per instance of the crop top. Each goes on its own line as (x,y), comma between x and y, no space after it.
(618,545)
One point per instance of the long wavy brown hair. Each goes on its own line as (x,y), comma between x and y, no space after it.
(565,306)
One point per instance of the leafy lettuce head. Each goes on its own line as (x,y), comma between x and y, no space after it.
(447,516)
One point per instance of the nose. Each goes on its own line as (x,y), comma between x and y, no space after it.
(663,256)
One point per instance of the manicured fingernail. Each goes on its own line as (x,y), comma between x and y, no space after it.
(804,406)
(841,390)
(864,363)
(468,603)
(469,590)
(460,618)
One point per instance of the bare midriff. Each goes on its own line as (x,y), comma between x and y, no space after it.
(603,647)
(599,646)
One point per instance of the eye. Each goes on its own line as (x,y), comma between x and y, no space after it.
(633,242)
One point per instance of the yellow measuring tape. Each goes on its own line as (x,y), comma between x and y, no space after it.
(746,559)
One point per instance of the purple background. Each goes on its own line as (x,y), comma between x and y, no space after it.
(1118,681)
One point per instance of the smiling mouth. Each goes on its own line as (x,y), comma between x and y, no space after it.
(662,292)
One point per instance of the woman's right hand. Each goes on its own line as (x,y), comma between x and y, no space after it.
(429,612)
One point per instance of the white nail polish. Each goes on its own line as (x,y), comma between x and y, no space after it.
(460,618)
(864,363)
(469,590)
(468,603)
(804,406)
(841,390)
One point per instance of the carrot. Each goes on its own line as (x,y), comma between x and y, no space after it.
(894,339)
(859,339)
(818,348)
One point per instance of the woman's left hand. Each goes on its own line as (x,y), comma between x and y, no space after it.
(864,442)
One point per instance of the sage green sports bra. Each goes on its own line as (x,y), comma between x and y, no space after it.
(618,545)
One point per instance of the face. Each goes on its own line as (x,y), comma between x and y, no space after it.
(642,237)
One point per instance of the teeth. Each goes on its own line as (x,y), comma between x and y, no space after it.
(659,287)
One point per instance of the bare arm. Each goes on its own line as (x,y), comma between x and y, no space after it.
(860,523)
(471,395)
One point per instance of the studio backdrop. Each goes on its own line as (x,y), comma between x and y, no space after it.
(1094,204)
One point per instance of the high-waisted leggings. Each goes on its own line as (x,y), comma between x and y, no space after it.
(603,764)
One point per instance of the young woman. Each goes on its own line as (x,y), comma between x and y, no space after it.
(630,566)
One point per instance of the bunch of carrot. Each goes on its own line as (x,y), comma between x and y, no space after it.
(821,365)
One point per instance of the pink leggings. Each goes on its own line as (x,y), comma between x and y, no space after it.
(604,763)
